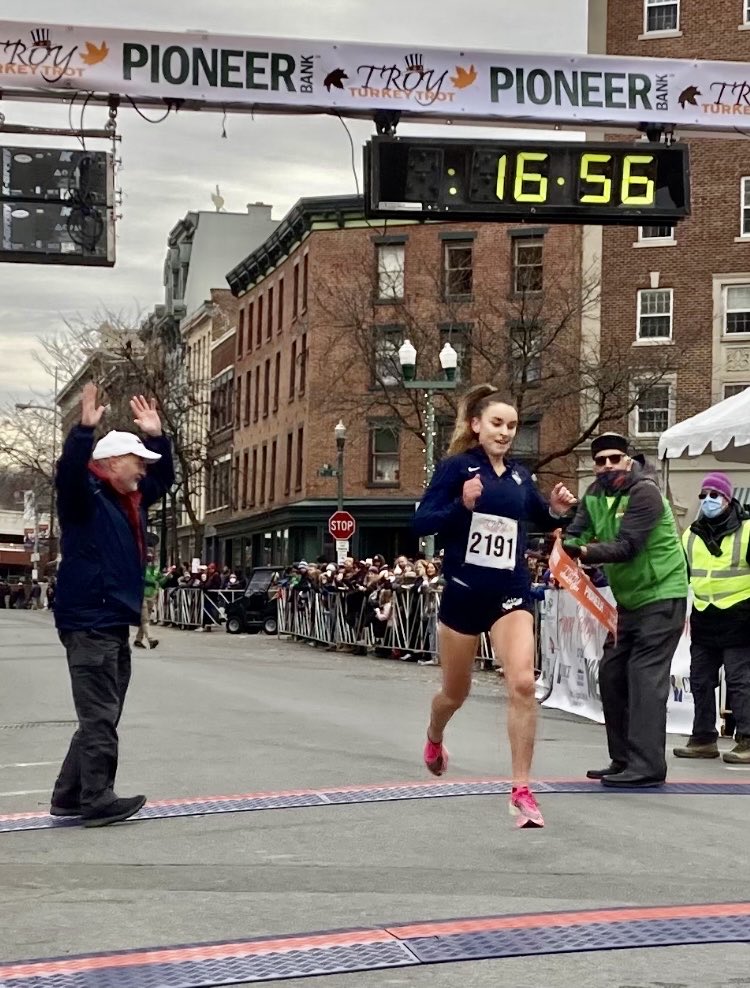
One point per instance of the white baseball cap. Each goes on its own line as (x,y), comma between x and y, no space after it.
(120,444)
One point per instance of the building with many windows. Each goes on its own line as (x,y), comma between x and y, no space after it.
(325,303)
(686,290)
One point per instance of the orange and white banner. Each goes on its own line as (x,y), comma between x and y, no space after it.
(578,584)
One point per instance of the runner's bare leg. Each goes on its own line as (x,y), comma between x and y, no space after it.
(513,644)
(457,654)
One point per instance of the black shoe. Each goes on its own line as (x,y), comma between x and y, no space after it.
(154,643)
(55,810)
(631,780)
(614,768)
(138,644)
(115,812)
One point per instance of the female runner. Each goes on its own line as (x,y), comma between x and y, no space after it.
(479,502)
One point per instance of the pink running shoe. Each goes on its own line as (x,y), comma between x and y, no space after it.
(525,808)
(435,757)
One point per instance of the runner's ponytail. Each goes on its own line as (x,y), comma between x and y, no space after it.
(473,403)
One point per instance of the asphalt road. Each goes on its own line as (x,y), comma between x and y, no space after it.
(213,714)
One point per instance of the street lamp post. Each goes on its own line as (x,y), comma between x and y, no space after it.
(407,356)
(340,433)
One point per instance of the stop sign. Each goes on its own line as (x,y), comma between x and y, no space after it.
(341,525)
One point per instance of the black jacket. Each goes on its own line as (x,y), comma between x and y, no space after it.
(100,581)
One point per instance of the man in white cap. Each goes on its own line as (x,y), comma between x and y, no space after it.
(103,492)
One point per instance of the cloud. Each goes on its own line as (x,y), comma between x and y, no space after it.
(170,168)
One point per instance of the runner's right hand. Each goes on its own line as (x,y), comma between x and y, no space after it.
(472,492)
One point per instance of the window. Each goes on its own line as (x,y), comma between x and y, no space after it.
(458,260)
(459,337)
(662,15)
(300,458)
(293,371)
(256,403)
(303,365)
(653,410)
(730,390)
(388,339)
(238,403)
(288,469)
(295,292)
(266,387)
(272,476)
(221,401)
(236,499)
(259,324)
(526,443)
(280,316)
(276,380)
(305,281)
(528,269)
(390,271)
(245,468)
(444,430)
(737,308)
(660,232)
(384,455)
(248,395)
(250,325)
(254,477)
(655,313)
(241,333)
(269,326)
(745,205)
(263,473)
(746,11)
(526,346)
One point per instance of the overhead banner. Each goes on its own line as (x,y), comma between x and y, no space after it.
(293,75)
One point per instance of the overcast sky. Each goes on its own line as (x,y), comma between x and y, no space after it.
(172,168)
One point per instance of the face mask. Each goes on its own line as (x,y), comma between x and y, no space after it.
(613,482)
(711,507)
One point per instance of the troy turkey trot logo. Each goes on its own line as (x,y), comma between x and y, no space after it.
(42,56)
(410,81)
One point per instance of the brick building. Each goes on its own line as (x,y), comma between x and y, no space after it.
(325,303)
(684,290)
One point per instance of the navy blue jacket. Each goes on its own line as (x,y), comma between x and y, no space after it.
(512,495)
(101,577)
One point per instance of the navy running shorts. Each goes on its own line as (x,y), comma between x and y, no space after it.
(471,612)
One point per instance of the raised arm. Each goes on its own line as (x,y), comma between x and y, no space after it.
(74,496)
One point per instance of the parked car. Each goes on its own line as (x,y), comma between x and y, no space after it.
(256,609)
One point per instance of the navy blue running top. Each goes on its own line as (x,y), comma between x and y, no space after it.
(475,545)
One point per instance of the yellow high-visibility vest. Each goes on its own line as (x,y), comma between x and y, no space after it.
(719,580)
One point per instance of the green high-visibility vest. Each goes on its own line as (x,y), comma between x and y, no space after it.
(719,580)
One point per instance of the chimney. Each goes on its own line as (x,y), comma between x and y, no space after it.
(259,210)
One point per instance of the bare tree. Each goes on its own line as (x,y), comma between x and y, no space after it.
(528,341)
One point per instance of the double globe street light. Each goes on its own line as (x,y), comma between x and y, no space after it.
(407,357)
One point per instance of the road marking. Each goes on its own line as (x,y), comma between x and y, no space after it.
(24,792)
(26,764)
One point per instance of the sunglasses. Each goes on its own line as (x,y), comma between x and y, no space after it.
(714,494)
(613,458)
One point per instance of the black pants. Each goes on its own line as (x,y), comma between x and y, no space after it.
(634,683)
(99,665)
(705,663)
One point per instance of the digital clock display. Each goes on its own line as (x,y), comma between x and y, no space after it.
(602,183)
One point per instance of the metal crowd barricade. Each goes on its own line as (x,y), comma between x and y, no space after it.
(193,607)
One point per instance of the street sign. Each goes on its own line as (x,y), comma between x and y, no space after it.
(342,550)
(341,525)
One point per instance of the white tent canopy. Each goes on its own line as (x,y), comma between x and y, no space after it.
(723,430)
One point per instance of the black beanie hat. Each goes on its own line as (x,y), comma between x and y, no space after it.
(609,440)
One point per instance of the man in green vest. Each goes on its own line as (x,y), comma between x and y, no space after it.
(625,525)
(717,546)
(153,584)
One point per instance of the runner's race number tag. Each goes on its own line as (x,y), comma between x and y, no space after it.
(492,541)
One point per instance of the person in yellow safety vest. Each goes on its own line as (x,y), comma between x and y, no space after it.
(717,546)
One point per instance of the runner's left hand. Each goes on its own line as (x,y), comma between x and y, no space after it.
(560,500)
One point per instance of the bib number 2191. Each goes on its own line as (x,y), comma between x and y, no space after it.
(492,541)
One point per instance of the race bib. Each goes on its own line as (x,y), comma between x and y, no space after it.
(492,541)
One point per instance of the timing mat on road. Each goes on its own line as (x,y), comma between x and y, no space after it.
(377,948)
(296,798)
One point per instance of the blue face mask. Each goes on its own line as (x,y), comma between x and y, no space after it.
(711,507)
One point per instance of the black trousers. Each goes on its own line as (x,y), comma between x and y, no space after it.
(634,684)
(705,663)
(99,665)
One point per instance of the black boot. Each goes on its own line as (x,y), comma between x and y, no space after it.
(115,812)
(614,768)
(631,780)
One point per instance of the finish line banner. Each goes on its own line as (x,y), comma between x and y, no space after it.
(292,75)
